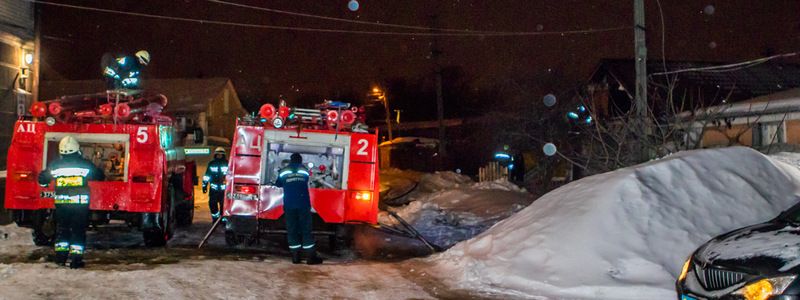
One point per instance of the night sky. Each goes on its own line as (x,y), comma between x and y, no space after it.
(264,63)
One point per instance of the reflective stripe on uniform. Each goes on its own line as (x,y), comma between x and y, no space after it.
(304,172)
(224,169)
(216,215)
(284,173)
(69,172)
(206,178)
(308,246)
(73,199)
(214,169)
(76,249)
(217,186)
(62,247)
(294,246)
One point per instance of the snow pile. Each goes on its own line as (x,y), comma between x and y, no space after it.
(15,239)
(447,208)
(624,234)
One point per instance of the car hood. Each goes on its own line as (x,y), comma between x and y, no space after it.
(766,249)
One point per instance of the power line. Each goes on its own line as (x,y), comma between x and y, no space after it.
(326,30)
(348,20)
(729,67)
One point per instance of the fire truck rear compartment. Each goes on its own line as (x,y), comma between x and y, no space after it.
(109,152)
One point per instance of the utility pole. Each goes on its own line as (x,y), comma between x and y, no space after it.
(642,125)
(435,53)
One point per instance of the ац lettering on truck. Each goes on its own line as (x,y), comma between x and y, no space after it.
(340,153)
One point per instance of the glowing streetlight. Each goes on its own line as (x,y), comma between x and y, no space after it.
(381,96)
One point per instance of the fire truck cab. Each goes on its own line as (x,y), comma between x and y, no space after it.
(148,183)
(339,152)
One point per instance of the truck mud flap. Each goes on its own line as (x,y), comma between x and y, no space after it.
(151,221)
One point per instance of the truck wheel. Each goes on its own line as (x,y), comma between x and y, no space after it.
(185,215)
(154,238)
(232,239)
(44,229)
(40,238)
(158,237)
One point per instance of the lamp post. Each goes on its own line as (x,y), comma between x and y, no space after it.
(381,96)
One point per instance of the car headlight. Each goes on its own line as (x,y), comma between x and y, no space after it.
(765,288)
(685,269)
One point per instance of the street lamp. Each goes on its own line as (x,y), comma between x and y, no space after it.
(381,96)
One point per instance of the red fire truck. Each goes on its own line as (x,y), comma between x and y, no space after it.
(148,182)
(336,147)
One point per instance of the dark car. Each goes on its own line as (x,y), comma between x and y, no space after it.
(755,262)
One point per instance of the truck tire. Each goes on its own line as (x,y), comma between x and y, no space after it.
(185,214)
(158,237)
(44,228)
(232,239)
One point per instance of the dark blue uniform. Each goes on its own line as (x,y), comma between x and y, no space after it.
(296,206)
(122,72)
(71,174)
(215,179)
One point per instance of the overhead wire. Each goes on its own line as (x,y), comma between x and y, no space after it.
(307,15)
(729,67)
(327,30)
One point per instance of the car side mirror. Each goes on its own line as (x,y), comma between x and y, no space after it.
(198,136)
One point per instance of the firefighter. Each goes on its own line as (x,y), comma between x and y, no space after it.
(123,72)
(215,178)
(71,173)
(297,210)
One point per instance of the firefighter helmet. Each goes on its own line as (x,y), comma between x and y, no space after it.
(219,150)
(143,56)
(68,145)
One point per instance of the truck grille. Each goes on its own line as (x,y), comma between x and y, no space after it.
(717,279)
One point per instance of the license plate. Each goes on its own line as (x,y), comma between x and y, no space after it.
(46,194)
(687,297)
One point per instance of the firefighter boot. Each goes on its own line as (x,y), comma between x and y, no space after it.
(76,262)
(76,257)
(295,256)
(61,258)
(313,258)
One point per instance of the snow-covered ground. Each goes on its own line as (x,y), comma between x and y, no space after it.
(118,266)
(447,208)
(624,234)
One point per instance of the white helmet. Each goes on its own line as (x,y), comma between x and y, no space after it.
(219,150)
(68,145)
(143,56)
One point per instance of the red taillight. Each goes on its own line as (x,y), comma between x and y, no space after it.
(144,178)
(267,111)
(39,109)
(245,189)
(23,176)
(362,196)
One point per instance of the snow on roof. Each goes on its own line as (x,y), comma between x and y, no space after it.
(778,103)
(624,234)
(413,140)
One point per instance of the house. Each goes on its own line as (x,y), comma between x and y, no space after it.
(610,88)
(18,74)
(208,103)
(767,123)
